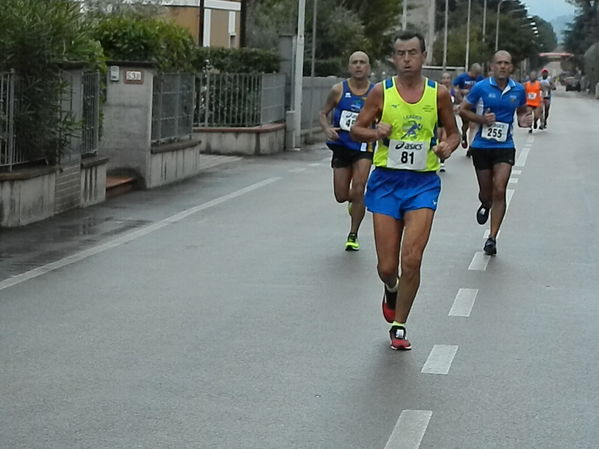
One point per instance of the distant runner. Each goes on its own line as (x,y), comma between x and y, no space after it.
(351,160)
(464,82)
(446,81)
(547,86)
(534,100)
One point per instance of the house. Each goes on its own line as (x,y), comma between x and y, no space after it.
(212,23)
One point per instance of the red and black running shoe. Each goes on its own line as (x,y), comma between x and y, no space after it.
(399,342)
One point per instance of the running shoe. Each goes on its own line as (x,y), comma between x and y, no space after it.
(490,247)
(399,342)
(468,153)
(530,131)
(482,214)
(464,141)
(442,169)
(352,243)
(389,300)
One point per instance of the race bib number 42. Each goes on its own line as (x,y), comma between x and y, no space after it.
(498,131)
(348,118)
(407,155)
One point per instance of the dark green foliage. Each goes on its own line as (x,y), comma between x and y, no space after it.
(236,60)
(131,36)
(37,38)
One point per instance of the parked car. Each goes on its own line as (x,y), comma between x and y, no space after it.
(572,83)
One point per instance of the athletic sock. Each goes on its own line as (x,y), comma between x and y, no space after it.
(394,288)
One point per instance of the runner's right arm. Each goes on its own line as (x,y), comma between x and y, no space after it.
(330,104)
(370,113)
(466,112)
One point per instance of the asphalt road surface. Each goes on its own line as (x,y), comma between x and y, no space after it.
(223,313)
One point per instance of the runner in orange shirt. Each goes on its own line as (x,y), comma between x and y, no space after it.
(534,99)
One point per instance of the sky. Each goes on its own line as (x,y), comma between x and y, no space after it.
(549,9)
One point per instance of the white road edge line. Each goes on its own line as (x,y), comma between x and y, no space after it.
(479,261)
(516,172)
(125,238)
(513,181)
(463,303)
(439,360)
(409,429)
(315,164)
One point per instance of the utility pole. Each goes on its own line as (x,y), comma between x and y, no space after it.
(445,35)
(468,37)
(312,65)
(404,17)
(299,72)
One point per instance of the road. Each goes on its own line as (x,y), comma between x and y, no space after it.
(223,313)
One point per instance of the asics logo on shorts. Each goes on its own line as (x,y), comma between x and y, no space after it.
(415,146)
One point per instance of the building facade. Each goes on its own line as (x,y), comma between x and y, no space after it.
(212,23)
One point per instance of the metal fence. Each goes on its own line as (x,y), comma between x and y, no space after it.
(172,107)
(10,154)
(90,126)
(239,99)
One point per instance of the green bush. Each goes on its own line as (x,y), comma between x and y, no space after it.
(132,37)
(236,60)
(37,38)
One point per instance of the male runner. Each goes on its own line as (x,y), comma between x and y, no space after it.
(404,187)
(547,86)
(533,98)
(446,81)
(493,150)
(464,82)
(351,160)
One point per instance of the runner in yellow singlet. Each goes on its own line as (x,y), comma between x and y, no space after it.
(403,189)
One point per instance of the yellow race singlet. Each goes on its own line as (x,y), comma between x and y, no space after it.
(413,132)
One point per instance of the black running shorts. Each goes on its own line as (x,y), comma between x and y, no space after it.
(344,157)
(485,158)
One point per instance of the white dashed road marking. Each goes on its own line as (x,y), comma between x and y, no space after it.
(521,161)
(297,169)
(479,261)
(440,359)
(464,301)
(409,430)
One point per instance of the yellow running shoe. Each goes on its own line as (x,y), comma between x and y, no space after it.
(352,243)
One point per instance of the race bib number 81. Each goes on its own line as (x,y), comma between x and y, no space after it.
(407,155)
(348,118)
(498,131)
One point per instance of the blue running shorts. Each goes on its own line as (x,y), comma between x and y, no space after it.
(394,192)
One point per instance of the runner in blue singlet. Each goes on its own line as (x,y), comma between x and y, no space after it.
(351,160)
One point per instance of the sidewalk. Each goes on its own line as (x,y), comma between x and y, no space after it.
(28,247)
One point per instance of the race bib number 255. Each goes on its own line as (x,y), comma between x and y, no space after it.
(498,131)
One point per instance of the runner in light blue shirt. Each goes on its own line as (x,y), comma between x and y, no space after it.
(493,150)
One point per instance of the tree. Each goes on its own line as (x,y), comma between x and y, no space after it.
(584,31)
(38,37)
(339,31)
